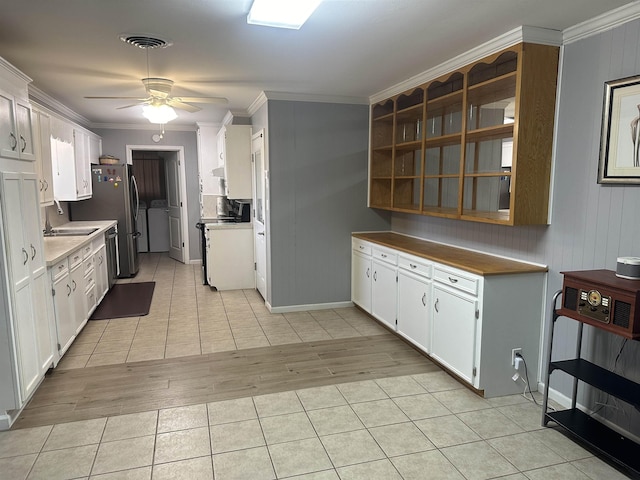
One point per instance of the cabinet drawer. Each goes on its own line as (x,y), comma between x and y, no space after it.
(417,265)
(385,254)
(88,265)
(59,269)
(457,280)
(361,246)
(75,259)
(87,250)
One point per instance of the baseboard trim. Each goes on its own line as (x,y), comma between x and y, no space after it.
(308,307)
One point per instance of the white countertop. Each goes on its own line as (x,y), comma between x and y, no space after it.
(57,248)
(229,226)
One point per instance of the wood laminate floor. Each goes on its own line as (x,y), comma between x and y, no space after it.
(94,392)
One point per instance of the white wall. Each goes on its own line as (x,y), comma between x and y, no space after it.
(591,224)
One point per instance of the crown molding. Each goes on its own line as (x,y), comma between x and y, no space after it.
(260,100)
(604,22)
(19,76)
(521,34)
(305,97)
(46,100)
(145,126)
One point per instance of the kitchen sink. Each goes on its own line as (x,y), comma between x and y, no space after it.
(70,232)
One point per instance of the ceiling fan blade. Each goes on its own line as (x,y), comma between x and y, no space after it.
(202,99)
(129,106)
(177,103)
(116,98)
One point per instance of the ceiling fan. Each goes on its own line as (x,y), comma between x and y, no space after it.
(159,93)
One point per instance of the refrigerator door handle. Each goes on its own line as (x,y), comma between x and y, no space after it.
(134,184)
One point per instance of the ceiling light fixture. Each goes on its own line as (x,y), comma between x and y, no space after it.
(281,13)
(162,113)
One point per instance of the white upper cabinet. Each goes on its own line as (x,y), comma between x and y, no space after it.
(42,145)
(234,149)
(16,131)
(73,150)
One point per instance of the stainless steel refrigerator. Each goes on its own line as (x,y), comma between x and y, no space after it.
(115,197)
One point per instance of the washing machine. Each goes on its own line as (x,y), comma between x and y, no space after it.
(158,226)
(143,239)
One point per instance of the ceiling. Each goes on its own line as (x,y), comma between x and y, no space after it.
(348,48)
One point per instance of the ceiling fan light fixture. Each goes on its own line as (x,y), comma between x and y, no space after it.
(159,113)
(281,13)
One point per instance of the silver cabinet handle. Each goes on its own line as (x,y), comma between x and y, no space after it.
(375,276)
(368,273)
(68,290)
(75,285)
(46,185)
(26,256)
(424,299)
(453,280)
(435,305)
(24,144)
(33,252)
(361,247)
(261,233)
(413,266)
(383,255)
(41,184)
(14,141)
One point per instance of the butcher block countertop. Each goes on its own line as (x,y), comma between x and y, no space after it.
(468,260)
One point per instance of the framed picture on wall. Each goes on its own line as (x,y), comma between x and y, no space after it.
(620,142)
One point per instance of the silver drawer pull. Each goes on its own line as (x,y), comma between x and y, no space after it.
(368,273)
(383,255)
(361,247)
(453,280)
(413,266)
(435,305)
(424,299)
(375,276)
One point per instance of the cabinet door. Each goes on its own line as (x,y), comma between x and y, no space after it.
(17,245)
(78,298)
(361,280)
(44,323)
(8,133)
(237,161)
(384,293)
(64,170)
(82,164)
(42,140)
(65,322)
(102,275)
(454,330)
(25,132)
(26,343)
(414,309)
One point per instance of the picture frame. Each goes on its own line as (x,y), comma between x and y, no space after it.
(620,141)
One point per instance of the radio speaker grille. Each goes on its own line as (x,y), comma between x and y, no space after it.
(570,298)
(622,314)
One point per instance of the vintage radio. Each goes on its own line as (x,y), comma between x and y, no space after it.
(602,299)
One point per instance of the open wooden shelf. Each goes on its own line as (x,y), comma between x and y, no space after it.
(507,98)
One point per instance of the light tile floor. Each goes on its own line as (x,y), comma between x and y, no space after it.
(416,427)
(188,318)
(425,426)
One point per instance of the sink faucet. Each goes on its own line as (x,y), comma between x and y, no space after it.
(47,223)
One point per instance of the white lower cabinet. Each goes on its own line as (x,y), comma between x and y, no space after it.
(414,301)
(102,273)
(467,322)
(454,330)
(62,303)
(26,329)
(361,279)
(384,287)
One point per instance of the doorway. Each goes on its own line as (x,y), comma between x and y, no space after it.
(162,183)
(260,209)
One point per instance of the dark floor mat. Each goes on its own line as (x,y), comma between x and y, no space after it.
(125,300)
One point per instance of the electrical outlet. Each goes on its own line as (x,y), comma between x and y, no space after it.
(513,355)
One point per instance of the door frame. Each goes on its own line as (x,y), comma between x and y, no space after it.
(183,188)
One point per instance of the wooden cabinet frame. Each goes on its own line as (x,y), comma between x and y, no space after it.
(439,148)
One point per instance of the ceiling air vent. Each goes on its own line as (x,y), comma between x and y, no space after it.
(145,41)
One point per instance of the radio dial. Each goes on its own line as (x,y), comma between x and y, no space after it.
(595,298)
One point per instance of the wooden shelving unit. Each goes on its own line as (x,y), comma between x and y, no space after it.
(474,144)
